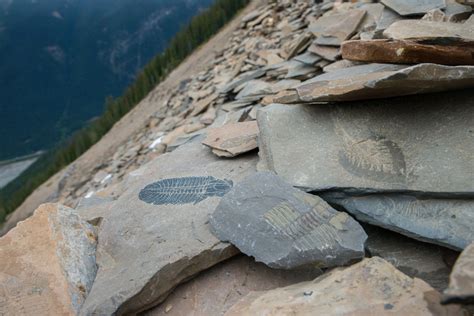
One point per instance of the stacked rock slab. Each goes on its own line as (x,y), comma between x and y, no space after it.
(371,287)
(47,264)
(381,146)
(156,234)
(284,227)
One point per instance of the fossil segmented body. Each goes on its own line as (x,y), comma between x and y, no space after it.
(184,190)
(367,154)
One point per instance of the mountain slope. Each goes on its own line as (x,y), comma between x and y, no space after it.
(59,59)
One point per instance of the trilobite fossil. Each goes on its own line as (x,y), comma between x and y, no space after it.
(184,190)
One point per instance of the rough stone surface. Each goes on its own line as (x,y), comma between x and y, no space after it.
(414,258)
(284,227)
(373,81)
(447,222)
(407,52)
(371,287)
(414,7)
(156,233)
(381,145)
(461,282)
(341,27)
(47,264)
(215,290)
(428,30)
(231,140)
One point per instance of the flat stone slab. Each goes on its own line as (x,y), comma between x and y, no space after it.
(397,144)
(156,234)
(339,28)
(414,7)
(429,30)
(461,283)
(372,81)
(232,139)
(215,290)
(446,222)
(371,287)
(47,264)
(408,52)
(284,227)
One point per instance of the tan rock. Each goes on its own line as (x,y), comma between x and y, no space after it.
(209,116)
(371,287)
(461,281)
(326,52)
(203,104)
(233,139)
(48,263)
(408,52)
(214,291)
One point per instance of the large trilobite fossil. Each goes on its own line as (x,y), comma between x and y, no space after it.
(184,190)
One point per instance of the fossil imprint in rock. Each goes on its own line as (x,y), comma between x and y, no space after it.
(184,190)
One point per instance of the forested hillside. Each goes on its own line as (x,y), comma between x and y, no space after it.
(199,29)
(59,60)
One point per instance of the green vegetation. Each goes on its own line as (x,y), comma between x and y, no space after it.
(199,30)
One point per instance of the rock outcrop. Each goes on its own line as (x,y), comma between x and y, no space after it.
(371,287)
(48,263)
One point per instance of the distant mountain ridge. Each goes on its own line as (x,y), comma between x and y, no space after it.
(59,59)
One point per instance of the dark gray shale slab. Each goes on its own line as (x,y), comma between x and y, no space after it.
(284,227)
(420,144)
(446,222)
(156,234)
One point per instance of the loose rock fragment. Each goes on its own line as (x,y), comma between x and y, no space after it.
(47,263)
(408,52)
(414,7)
(371,287)
(333,29)
(461,284)
(373,146)
(284,227)
(231,140)
(372,81)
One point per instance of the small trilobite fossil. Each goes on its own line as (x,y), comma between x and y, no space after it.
(184,190)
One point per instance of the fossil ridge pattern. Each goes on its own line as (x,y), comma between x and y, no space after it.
(184,190)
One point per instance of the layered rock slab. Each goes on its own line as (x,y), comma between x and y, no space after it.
(395,144)
(232,139)
(48,263)
(461,282)
(284,227)
(156,233)
(429,30)
(414,7)
(371,287)
(372,81)
(408,52)
(446,222)
(215,290)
